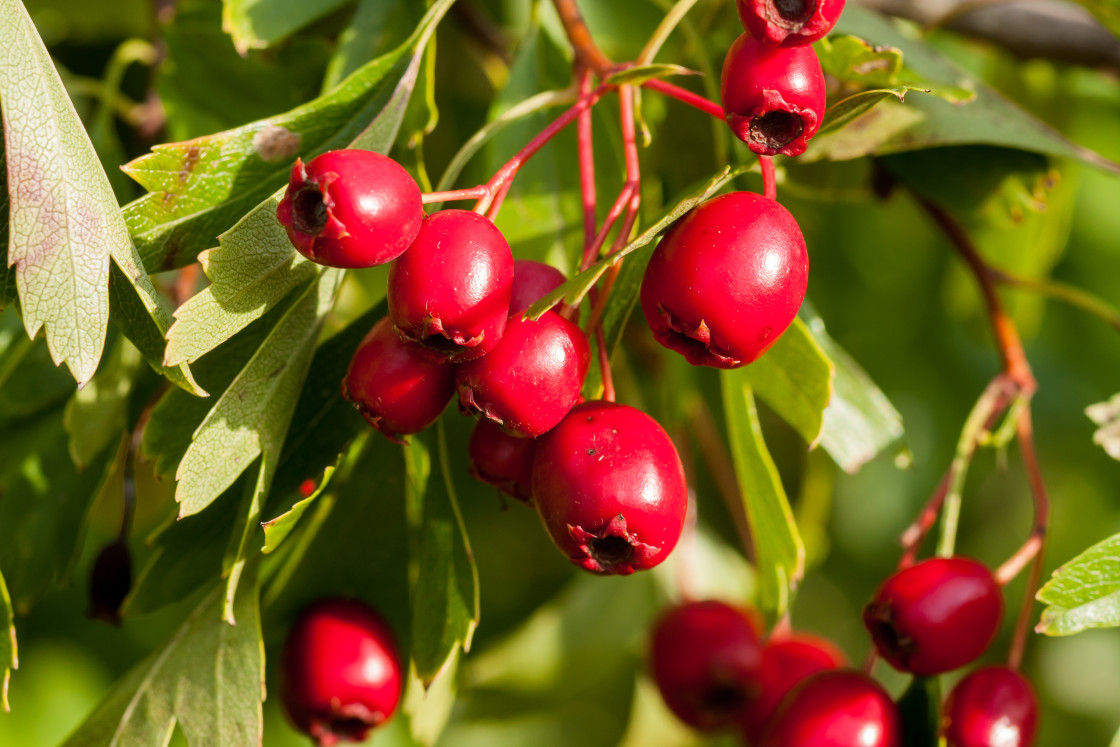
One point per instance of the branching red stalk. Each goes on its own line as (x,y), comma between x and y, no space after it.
(471,193)
(769,181)
(586,162)
(604,365)
(685,97)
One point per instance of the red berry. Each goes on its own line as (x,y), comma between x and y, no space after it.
(450,291)
(935,616)
(773,97)
(350,208)
(726,280)
(706,659)
(340,674)
(393,386)
(838,708)
(609,487)
(785,663)
(992,707)
(790,23)
(531,379)
(502,460)
(532,281)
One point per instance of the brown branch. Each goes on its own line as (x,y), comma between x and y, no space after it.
(587,52)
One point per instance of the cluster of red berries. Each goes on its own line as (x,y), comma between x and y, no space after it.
(605,478)
(715,672)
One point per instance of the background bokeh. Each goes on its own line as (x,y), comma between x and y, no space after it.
(557,659)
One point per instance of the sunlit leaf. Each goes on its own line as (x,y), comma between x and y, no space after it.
(258,23)
(277,530)
(635,76)
(1083,593)
(1107,417)
(9,654)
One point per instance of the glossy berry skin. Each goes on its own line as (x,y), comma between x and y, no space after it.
(935,616)
(340,673)
(789,23)
(838,708)
(706,659)
(532,281)
(450,291)
(395,388)
(773,97)
(530,381)
(786,662)
(991,707)
(726,280)
(610,489)
(502,460)
(350,208)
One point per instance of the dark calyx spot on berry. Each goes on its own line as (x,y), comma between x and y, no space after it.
(694,343)
(309,212)
(343,729)
(610,551)
(725,698)
(881,625)
(776,129)
(796,12)
(441,344)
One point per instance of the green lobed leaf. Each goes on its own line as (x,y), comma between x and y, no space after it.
(207,680)
(1106,415)
(853,60)
(9,653)
(573,291)
(859,422)
(199,188)
(8,292)
(373,30)
(839,115)
(255,24)
(445,601)
(928,121)
(30,384)
(779,552)
(1083,593)
(920,709)
(794,378)
(277,530)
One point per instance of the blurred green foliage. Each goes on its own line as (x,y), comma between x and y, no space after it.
(558,656)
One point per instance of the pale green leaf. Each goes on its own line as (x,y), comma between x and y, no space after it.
(277,530)
(9,653)
(1106,415)
(255,24)
(95,416)
(445,601)
(1083,593)
(635,76)
(794,378)
(779,552)
(373,30)
(859,422)
(853,60)
(207,680)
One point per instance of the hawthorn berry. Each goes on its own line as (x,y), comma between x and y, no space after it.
(502,460)
(785,663)
(726,280)
(532,281)
(991,707)
(773,97)
(394,386)
(449,292)
(789,23)
(350,208)
(340,673)
(530,381)
(609,487)
(935,616)
(706,659)
(837,708)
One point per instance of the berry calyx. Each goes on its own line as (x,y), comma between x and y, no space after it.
(532,281)
(726,280)
(773,97)
(789,23)
(502,460)
(935,616)
(529,382)
(706,659)
(449,293)
(610,489)
(350,208)
(395,388)
(991,707)
(785,663)
(838,708)
(340,673)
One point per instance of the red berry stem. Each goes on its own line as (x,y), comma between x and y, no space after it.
(769,181)
(471,193)
(586,161)
(686,97)
(604,364)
